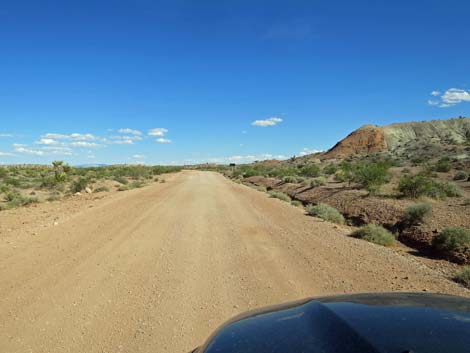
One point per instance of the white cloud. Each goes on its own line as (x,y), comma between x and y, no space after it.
(130,131)
(6,135)
(6,154)
(450,97)
(267,122)
(163,140)
(307,151)
(29,151)
(138,156)
(455,95)
(123,141)
(47,141)
(160,131)
(84,144)
(74,136)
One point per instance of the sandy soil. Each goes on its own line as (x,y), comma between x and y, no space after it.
(157,269)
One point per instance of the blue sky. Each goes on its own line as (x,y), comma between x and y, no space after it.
(77,76)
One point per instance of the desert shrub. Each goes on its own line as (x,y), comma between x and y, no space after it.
(374,234)
(5,188)
(121,180)
(371,175)
(443,166)
(53,197)
(296,203)
(123,188)
(417,213)
(261,188)
(310,170)
(101,188)
(279,195)
(450,189)
(156,179)
(164,181)
(406,171)
(464,276)
(79,184)
(293,179)
(318,182)
(15,199)
(330,169)
(451,239)
(414,186)
(12,181)
(325,212)
(136,184)
(460,175)
(466,202)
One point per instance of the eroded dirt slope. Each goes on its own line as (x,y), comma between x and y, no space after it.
(157,269)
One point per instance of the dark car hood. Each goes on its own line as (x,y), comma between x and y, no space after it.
(392,323)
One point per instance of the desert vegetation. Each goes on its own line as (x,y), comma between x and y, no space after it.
(22,185)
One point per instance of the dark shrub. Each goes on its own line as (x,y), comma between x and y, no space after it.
(416,214)
(451,239)
(310,170)
(78,185)
(371,175)
(443,166)
(464,276)
(461,175)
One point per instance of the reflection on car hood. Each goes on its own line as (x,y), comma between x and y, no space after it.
(392,323)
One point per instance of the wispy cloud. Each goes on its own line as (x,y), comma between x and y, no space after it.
(267,122)
(47,141)
(130,131)
(163,140)
(5,135)
(160,131)
(449,98)
(74,136)
(307,151)
(6,154)
(138,156)
(85,144)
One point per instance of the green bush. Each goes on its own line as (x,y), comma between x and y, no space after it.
(325,212)
(15,199)
(460,175)
(164,181)
(449,189)
(451,239)
(318,182)
(310,170)
(443,166)
(464,276)
(123,188)
(261,188)
(417,213)
(79,184)
(121,180)
(280,196)
(371,175)
(375,234)
(296,203)
(101,188)
(330,169)
(415,186)
(293,179)
(136,184)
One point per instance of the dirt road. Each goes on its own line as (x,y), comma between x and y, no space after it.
(157,269)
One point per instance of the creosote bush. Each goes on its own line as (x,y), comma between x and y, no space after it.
(296,203)
(325,212)
(460,175)
(451,239)
(280,195)
(375,234)
(101,188)
(416,214)
(78,185)
(464,276)
(414,186)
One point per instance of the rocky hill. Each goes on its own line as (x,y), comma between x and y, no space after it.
(405,139)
